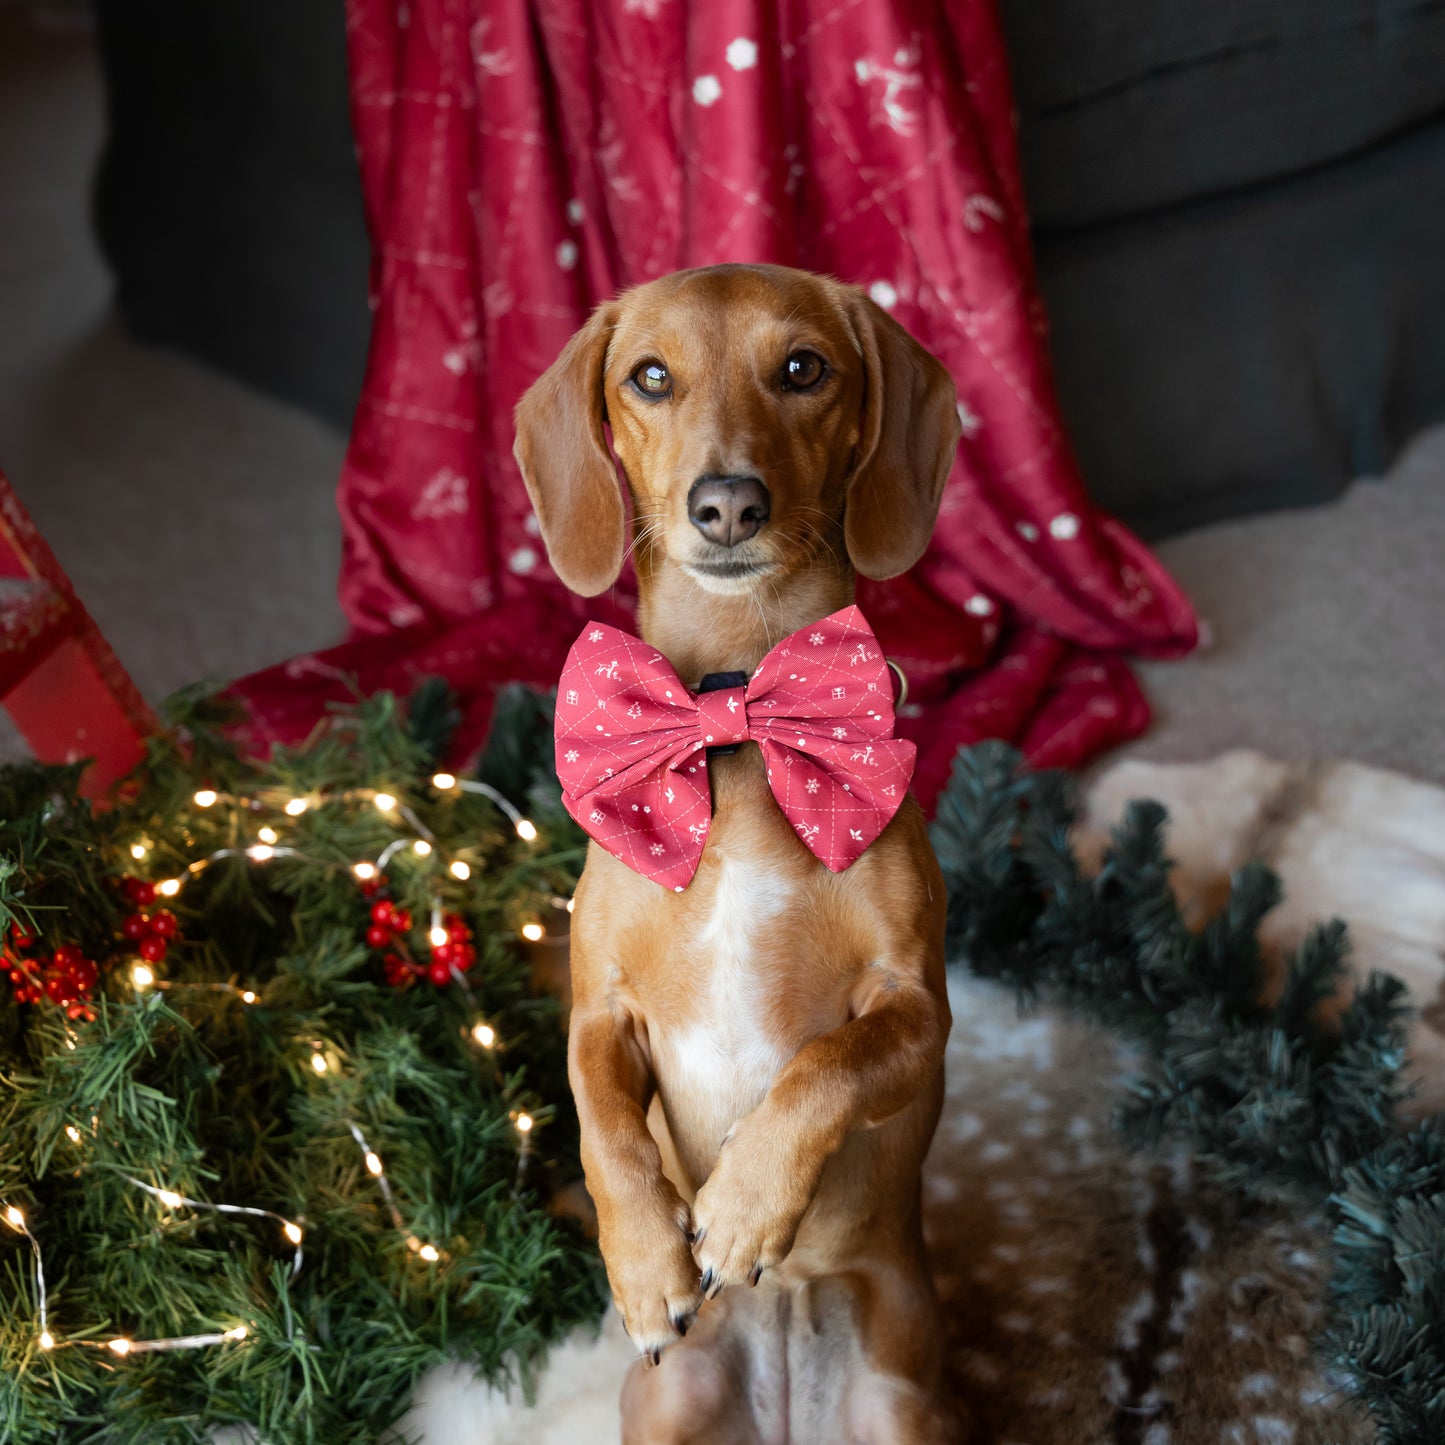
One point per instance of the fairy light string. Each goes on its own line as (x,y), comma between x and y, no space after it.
(423,844)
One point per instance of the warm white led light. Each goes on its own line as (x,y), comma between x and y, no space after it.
(14,1218)
(292,1232)
(72,1133)
(248,997)
(421,848)
(533,932)
(484,1034)
(169,1198)
(385,802)
(373,1162)
(429,1253)
(443,781)
(121,1347)
(526,829)
(460,870)
(296,807)
(239,1333)
(261,852)
(438,936)
(168,887)
(267,835)
(138,851)
(365,871)
(318,1063)
(141,976)
(524,1123)
(47,1340)
(571,904)
(203,799)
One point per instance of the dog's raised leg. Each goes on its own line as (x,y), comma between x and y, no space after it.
(867,1071)
(642,1221)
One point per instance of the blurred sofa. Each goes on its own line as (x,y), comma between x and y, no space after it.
(1238,209)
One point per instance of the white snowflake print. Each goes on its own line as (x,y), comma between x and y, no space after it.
(657,850)
(976,208)
(812,785)
(979,606)
(595,816)
(840,733)
(1065,526)
(607,670)
(571,755)
(865,756)
(816,639)
(567,254)
(707,90)
(970,423)
(522,560)
(860,654)
(595,635)
(840,693)
(571,697)
(445,495)
(742,54)
(891,790)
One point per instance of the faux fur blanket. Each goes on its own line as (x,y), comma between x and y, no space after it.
(1096,1295)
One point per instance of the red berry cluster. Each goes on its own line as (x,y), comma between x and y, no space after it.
(66,977)
(150,932)
(387,933)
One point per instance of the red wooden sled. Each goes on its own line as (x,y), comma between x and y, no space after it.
(60,682)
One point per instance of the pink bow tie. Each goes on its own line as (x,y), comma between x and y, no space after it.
(632,744)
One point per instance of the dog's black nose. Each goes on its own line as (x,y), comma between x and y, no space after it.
(728,510)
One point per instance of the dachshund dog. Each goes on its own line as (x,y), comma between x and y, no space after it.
(757,1059)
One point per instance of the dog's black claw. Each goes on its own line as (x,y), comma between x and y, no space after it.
(756,1275)
(680,1324)
(656,1354)
(699,1235)
(707,1278)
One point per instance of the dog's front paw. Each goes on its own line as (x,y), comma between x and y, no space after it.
(651,1270)
(747,1214)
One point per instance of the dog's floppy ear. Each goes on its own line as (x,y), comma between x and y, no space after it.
(906,445)
(562,450)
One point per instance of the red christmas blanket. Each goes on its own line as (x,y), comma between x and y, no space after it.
(523,159)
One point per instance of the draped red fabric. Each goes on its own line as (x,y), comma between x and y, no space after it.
(522,160)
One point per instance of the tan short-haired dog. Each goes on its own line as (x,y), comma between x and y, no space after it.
(757,1059)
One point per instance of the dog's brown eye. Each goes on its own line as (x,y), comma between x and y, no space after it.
(803,369)
(651,379)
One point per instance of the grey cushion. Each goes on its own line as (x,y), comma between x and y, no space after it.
(1128,105)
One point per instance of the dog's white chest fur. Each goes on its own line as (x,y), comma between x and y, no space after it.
(725,1061)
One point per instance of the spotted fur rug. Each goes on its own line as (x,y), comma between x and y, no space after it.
(1096,1295)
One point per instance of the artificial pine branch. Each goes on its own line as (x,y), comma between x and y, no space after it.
(189,1088)
(1272,1100)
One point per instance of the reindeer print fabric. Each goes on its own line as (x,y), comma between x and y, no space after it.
(632,744)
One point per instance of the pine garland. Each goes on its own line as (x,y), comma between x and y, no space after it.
(187,1088)
(1274,1103)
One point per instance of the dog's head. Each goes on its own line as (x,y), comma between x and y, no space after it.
(766,420)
